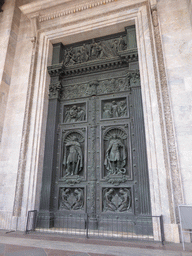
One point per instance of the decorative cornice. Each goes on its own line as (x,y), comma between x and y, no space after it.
(79,8)
(55,70)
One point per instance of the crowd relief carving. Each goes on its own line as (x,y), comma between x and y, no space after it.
(94,51)
(71,199)
(116,199)
(103,86)
(114,108)
(73,154)
(75,113)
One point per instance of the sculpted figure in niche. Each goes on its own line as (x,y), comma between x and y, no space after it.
(107,200)
(125,196)
(115,159)
(78,204)
(74,161)
(74,114)
(64,199)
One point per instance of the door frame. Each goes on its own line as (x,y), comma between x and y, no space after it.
(113,20)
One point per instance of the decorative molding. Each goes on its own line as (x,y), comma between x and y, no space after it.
(174,182)
(117,179)
(72,180)
(55,70)
(72,10)
(119,84)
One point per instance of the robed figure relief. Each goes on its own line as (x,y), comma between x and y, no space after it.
(74,114)
(114,109)
(73,155)
(115,155)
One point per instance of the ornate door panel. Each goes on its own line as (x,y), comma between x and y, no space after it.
(100,154)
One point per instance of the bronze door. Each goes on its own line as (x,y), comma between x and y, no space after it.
(101,157)
(95,153)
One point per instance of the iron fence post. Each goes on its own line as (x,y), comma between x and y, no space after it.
(162,229)
(87,227)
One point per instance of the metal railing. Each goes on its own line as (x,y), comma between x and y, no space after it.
(125,227)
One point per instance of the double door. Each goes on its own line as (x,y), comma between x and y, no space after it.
(101,155)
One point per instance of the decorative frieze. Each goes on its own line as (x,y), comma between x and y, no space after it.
(119,84)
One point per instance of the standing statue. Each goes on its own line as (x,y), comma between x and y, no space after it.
(107,200)
(78,204)
(125,196)
(115,159)
(64,199)
(74,161)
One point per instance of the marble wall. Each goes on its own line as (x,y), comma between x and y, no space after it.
(164,44)
(176,38)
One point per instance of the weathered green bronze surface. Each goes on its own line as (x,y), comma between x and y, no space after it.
(95,153)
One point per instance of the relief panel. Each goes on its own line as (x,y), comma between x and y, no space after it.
(75,113)
(114,108)
(95,50)
(116,162)
(71,199)
(73,156)
(117,200)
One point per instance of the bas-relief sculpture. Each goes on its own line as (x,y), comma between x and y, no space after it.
(71,199)
(105,86)
(73,154)
(116,200)
(114,109)
(94,51)
(116,154)
(115,160)
(75,113)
